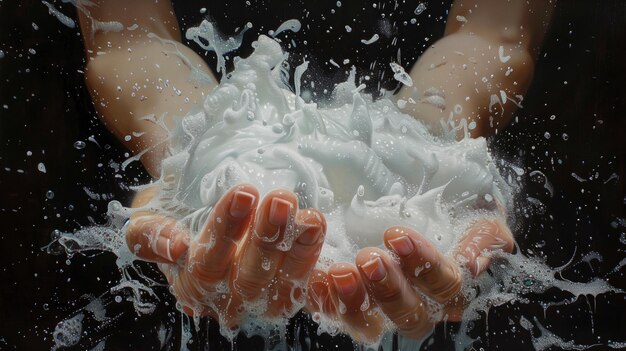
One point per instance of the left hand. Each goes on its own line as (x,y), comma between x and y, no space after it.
(340,293)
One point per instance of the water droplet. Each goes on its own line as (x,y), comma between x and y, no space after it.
(547,135)
(420,8)
(118,299)
(50,194)
(79,145)
(265,264)
(565,136)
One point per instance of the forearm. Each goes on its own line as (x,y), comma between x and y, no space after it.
(465,71)
(138,82)
(481,68)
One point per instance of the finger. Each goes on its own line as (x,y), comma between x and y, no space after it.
(393,293)
(288,292)
(428,269)
(263,250)
(318,299)
(483,237)
(352,303)
(200,299)
(156,238)
(212,253)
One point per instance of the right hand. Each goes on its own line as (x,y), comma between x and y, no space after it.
(236,258)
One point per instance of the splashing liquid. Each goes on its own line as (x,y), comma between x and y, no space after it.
(363,163)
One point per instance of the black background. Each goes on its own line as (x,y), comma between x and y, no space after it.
(45,108)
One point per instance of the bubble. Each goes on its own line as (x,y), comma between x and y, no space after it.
(421,7)
(265,263)
(50,194)
(79,145)
(68,332)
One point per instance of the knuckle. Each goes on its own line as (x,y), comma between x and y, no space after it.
(204,273)
(450,288)
(248,286)
(412,322)
(186,290)
(385,294)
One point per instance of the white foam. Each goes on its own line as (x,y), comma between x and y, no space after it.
(363,163)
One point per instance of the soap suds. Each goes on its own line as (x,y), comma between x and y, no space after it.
(363,163)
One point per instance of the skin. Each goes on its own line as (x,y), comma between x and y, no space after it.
(130,61)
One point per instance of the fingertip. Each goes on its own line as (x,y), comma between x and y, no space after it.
(156,238)
(312,227)
(398,231)
(277,210)
(367,254)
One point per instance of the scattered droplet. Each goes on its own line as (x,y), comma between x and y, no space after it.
(421,7)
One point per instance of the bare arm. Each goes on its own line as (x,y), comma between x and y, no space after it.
(132,75)
(489,46)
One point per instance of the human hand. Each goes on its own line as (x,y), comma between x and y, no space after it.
(356,294)
(239,257)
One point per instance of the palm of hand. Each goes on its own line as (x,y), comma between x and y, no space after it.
(241,257)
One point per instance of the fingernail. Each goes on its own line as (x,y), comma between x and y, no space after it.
(279,212)
(375,269)
(481,265)
(402,245)
(242,204)
(163,249)
(345,283)
(310,236)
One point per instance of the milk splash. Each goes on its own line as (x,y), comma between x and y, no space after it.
(363,163)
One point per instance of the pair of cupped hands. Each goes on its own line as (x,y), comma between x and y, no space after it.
(239,258)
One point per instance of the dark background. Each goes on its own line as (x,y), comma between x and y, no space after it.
(45,109)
